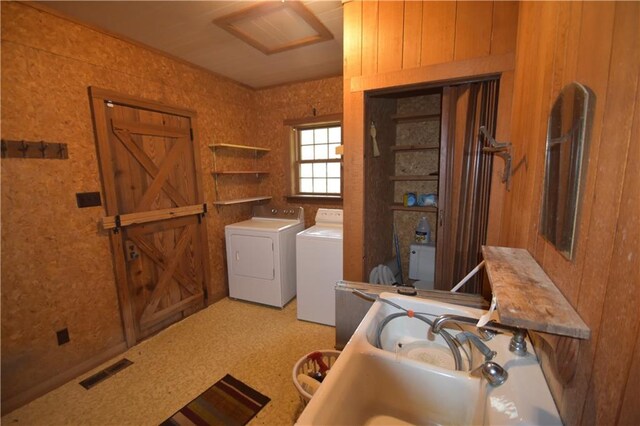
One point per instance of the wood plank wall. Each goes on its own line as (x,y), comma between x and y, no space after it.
(57,269)
(401,42)
(597,44)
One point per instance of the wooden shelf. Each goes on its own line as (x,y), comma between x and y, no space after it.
(526,297)
(413,177)
(247,147)
(239,201)
(396,148)
(410,118)
(423,209)
(240,172)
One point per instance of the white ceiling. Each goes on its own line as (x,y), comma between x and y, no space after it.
(185,29)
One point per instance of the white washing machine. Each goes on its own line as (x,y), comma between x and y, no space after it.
(261,255)
(319,267)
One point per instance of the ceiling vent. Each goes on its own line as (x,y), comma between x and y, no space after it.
(273,27)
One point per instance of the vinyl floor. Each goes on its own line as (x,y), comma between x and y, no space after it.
(256,344)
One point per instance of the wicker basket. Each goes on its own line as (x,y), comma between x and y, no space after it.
(305,366)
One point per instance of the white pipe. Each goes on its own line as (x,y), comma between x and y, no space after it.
(468,277)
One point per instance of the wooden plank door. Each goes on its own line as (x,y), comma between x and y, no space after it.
(153,195)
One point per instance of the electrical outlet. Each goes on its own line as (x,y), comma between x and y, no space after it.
(63,336)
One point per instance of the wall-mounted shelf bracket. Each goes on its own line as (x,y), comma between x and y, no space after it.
(501,149)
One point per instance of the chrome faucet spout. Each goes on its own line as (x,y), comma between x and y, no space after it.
(518,343)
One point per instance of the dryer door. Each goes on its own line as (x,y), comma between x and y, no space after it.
(252,256)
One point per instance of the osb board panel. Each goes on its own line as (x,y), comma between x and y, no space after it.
(562,45)
(274,106)
(66,280)
(378,221)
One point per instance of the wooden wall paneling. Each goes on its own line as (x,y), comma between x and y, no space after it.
(503,133)
(630,410)
(528,58)
(623,289)
(438,31)
(354,136)
(352,39)
(505,27)
(390,35)
(617,217)
(369,37)
(592,70)
(412,34)
(563,271)
(473,29)
(536,123)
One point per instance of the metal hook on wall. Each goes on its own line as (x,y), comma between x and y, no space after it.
(501,149)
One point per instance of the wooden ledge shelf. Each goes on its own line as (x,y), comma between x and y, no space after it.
(401,148)
(413,177)
(239,201)
(424,209)
(526,297)
(411,118)
(247,147)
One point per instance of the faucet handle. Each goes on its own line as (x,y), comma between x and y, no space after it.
(493,372)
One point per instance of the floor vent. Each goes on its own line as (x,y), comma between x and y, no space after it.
(90,382)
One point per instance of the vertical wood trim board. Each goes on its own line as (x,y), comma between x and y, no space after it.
(412,37)
(505,27)
(390,35)
(474,20)
(369,37)
(352,15)
(438,31)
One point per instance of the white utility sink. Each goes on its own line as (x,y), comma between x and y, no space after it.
(415,383)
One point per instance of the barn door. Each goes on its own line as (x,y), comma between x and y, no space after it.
(155,211)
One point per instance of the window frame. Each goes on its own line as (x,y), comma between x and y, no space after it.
(295,126)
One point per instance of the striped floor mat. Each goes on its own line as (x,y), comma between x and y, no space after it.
(228,402)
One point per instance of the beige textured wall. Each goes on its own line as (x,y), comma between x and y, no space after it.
(56,263)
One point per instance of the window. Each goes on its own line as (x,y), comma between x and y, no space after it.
(318,169)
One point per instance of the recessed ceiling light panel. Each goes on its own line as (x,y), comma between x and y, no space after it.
(273,27)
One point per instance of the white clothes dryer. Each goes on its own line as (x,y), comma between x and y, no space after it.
(261,254)
(319,267)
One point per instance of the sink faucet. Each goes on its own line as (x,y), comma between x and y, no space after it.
(518,343)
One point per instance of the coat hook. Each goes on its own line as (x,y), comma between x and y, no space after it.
(23,148)
(61,150)
(43,148)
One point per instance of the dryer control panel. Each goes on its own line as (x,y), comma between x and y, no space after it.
(269,211)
